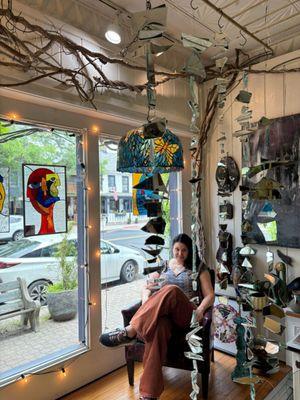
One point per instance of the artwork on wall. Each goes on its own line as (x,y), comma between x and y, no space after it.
(4,200)
(225,327)
(270,183)
(44,199)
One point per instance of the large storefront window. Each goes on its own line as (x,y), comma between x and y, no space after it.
(42,201)
(122,240)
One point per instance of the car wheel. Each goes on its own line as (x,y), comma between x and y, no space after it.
(18,235)
(38,291)
(128,271)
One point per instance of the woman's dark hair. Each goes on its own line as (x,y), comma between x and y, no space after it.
(186,240)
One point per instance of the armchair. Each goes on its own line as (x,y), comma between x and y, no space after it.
(176,347)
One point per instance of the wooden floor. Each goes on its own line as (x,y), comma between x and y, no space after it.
(177,384)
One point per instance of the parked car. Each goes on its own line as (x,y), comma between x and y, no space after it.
(35,260)
(16,229)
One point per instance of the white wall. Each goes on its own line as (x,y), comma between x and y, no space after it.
(273,96)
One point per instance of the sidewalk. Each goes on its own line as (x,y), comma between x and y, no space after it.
(133,226)
(20,346)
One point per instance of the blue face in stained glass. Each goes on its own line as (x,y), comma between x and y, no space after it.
(136,154)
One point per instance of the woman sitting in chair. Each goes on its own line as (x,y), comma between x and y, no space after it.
(165,301)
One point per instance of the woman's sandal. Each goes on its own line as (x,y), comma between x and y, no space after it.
(147,398)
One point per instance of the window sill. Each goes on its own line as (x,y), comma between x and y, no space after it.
(41,365)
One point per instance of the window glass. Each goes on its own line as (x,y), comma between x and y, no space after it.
(111,182)
(122,269)
(36,253)
(125,184)
(50,152)
(17,248)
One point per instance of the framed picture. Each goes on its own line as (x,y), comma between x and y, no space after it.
(4,200)
(225,328)
(44,199)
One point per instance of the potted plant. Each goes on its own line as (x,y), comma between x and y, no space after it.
(62,296)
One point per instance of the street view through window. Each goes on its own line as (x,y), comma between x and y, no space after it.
(122,240)
(39,190)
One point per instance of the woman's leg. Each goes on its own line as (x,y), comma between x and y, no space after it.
(153,322)
(151,382)
(169,301)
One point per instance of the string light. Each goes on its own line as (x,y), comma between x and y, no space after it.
(98,253)
(95,128)
(63,371)
(24,378)
(13,116)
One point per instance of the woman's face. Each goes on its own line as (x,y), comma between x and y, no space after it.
(180,252)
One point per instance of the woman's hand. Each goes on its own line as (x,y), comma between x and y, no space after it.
(150,283)
(199,314)
(146,293)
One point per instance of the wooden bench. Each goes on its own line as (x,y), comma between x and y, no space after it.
(15,300)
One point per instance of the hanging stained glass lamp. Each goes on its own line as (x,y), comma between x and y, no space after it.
(140,155)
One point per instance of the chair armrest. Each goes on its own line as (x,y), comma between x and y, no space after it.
(129,312)
(207,318)
(207,332)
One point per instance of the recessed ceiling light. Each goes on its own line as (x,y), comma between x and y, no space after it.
(113,34)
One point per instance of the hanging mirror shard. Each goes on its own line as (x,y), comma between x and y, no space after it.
(244,96)
(220,62)
(196,43)
(154,128)
(150,23)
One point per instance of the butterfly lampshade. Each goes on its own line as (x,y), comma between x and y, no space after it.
(159,155)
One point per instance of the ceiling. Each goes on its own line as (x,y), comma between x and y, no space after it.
(275,23)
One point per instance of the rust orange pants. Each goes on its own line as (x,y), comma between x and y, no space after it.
(153,323)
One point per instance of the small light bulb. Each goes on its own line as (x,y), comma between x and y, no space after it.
(24,378)
(95,128)
(63,371)
(12,116)
(94,303)
(98,253)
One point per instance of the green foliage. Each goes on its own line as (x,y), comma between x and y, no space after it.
(38,148)
(66,255)
(58,287)
(103,165)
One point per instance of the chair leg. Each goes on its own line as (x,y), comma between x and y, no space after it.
(213,354)
(205,379)
(130,371)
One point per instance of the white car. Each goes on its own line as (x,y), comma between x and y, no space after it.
(34,260)
(16,229)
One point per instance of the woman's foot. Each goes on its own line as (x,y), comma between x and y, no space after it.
(116,338)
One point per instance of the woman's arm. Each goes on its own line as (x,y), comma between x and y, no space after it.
(146,293)
(146,290)
(208,295)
